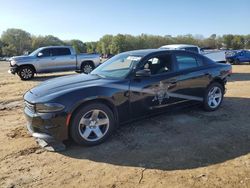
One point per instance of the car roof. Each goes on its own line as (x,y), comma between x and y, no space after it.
(55,47)
(176,46)
(145,52)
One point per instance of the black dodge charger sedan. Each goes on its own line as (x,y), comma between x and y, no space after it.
(128,86)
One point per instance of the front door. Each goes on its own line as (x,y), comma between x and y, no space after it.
(44,61)
(148,94)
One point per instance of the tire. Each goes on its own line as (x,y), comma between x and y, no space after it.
(213,100)
(26,72)
(92,124)
(87,67)
(236,62)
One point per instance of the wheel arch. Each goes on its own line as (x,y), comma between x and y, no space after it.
(27,65)
(87,61)
(220,81)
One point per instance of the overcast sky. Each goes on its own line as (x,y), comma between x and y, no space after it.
(89,20)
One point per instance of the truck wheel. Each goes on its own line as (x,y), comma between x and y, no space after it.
(26,73)
(213,96)
(92,124)
(87,67)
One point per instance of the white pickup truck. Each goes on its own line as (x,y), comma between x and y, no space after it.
(215,55)
(52,59)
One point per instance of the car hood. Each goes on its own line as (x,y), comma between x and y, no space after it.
(67,83)
(22,58)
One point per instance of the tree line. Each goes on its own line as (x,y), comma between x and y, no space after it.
(17,42)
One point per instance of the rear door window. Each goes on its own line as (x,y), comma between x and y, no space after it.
(185,61)
(60,51)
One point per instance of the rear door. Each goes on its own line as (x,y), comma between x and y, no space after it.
(192,76)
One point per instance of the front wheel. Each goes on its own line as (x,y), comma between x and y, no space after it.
(213,97)
(92,124)
(26,73)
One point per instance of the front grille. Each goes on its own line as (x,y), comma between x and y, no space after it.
(29,106)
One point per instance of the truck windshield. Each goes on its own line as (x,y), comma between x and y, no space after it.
(118,66)
(35,52)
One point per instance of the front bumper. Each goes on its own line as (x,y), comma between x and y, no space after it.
(49,129)
(13,69)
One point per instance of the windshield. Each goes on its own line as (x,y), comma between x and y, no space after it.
(118,66)
(35,52)
(230,53)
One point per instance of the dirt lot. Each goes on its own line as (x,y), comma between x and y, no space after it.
(191,148)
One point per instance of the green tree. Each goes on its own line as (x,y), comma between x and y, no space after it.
(186,39)
(48,40)
(210,42)
(104,44)
(227,40)
(16,42)
(247,41)
(78,45)
(238,42)
(91,47)
(118,44)
(1,46)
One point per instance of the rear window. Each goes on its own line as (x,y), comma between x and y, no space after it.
(60,51)
(192,49)
(186,62)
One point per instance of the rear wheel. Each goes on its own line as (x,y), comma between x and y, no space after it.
(87,67)
(26,73)
(92,124)
(213,97)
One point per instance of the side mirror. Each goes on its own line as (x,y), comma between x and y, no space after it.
(40,54)
(143,73)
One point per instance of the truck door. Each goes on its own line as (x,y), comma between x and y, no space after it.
(62,59)
(44,61)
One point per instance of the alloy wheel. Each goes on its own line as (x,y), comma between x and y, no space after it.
(214,97)
(87,69)
(26,73)
(94,125)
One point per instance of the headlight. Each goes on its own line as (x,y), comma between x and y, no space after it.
(49,107)
(12,62)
